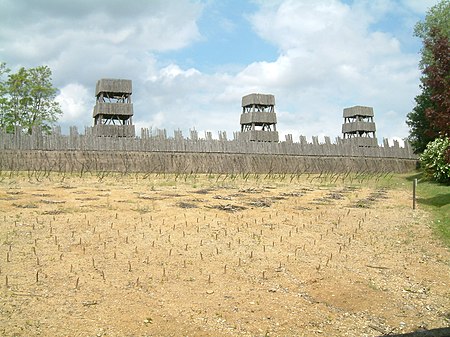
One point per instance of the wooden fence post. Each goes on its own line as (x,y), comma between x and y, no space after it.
(414,193)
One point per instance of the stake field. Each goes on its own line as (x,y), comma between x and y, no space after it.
(216,255)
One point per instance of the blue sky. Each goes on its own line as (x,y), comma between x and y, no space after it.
(192,61)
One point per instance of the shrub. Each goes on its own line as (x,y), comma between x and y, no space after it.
(436,160)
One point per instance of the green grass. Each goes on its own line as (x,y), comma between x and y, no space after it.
(435,198)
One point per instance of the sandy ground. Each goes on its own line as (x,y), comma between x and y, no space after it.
(215,256)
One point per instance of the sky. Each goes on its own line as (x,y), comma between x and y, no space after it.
(191,61)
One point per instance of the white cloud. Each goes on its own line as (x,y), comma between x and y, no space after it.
(75,101)
(78,38)
(331,55)
(330,59)
(419,6)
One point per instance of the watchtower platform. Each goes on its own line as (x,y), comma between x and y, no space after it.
(113,110)
(258,118)
(359,127)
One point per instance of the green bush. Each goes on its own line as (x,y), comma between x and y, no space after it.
(436,160)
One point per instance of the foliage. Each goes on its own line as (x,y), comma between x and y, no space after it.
(27,99)
(422,131)
(437,18)
(437,78)
(436,159)
(430,117)
(3,100)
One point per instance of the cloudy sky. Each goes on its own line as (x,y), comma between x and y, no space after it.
(191,61)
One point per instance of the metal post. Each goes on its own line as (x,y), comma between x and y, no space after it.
(414,193)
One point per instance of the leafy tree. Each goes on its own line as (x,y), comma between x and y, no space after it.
(438,17)
(437,78)
(429,118)
(421,130)
(29,100)
(3,99)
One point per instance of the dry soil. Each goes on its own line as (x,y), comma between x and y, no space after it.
(216,256)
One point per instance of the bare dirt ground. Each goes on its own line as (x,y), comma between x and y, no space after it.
(207,256)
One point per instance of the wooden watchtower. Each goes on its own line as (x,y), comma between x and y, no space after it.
(258,118)
(113,110)
(359,127)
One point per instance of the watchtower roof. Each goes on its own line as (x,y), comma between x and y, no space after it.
(115,86)
(258,99)
(358,110)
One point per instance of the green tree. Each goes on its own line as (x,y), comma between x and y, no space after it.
(3,92)
(30,100)
(437,78)
(428,119)
(421,130)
